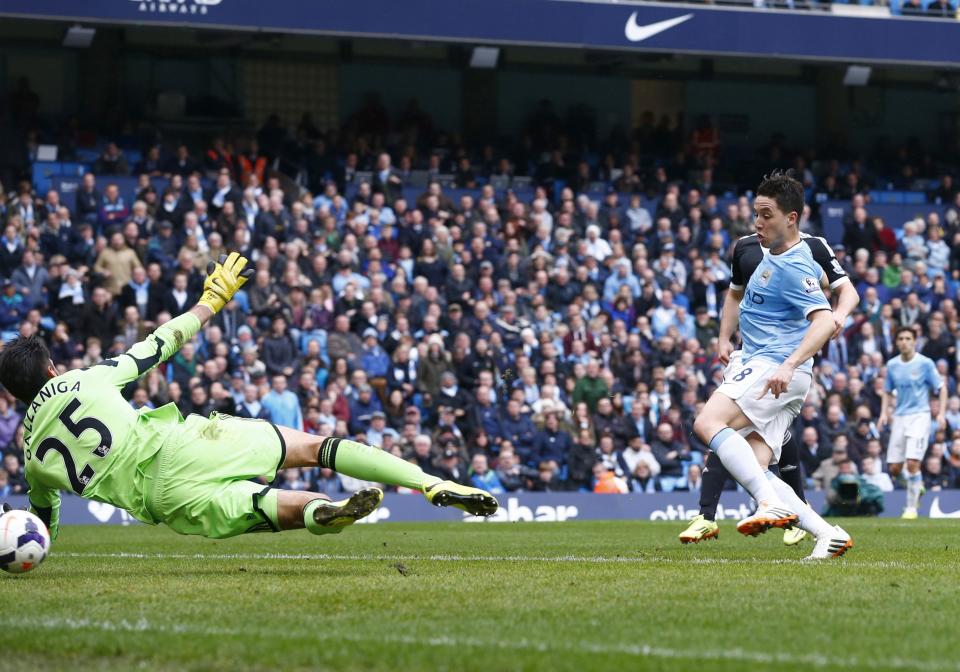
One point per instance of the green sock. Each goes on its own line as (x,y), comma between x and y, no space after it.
(371,464)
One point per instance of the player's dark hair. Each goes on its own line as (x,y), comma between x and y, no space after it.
(785,190)
(907,329)
(23,367)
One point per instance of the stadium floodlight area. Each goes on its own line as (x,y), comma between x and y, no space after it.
(79,37)
(857,75)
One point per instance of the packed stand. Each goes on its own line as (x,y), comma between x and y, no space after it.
(560,342)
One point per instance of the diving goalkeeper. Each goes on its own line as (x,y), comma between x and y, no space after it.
(192,474)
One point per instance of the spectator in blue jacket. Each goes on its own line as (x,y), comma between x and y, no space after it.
(374,359)
(12,306)
(623,276)
(483,477)
(550,444)
(484,415)
(283,405)
(519,430)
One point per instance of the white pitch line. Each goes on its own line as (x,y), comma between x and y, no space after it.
(566,646)
(564,559)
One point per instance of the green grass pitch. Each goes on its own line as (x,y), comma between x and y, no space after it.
(488,597)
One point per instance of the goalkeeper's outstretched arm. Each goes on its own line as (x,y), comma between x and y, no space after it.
(224,278)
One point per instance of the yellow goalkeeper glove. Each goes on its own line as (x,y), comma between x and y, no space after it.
(224,277)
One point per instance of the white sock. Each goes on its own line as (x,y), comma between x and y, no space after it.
(810,520)
(737,456)
(914,483)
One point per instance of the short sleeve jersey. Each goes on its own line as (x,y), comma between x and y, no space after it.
(747,255)
(778,299)
(913,381)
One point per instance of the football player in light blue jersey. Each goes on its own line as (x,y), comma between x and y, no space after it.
(784,321)
(911,379)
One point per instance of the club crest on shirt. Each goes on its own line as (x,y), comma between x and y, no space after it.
(765,276)
(810,285)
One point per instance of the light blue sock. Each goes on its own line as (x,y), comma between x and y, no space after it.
(737,456)
(914,484)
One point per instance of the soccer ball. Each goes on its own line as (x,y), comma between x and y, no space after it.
(24,542)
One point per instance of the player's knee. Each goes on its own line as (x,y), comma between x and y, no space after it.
(705,426)
(894,469)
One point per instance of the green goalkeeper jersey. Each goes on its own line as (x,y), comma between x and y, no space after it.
(81,435)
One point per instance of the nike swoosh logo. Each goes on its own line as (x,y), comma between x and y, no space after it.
(637,33)
(935,511)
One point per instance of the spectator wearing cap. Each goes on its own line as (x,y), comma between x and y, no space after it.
(283,405)
(374,359)
(446,426)
(668,269)
(378,429)
(362,409)
(451,466)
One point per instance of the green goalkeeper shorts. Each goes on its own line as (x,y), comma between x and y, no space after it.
(199,482)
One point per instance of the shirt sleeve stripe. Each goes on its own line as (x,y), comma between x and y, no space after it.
(813,309)
(839,281)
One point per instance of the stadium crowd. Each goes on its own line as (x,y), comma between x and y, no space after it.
(561,341)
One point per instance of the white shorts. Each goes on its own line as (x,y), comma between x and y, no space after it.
(909,435)
(770,417)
